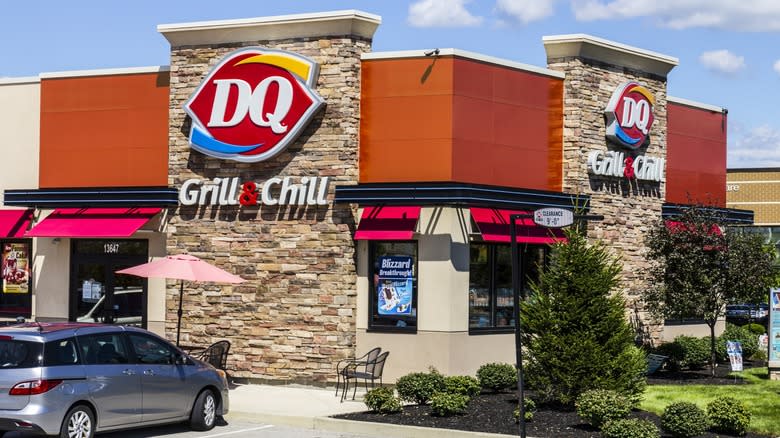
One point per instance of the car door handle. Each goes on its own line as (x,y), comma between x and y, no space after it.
(148,373)
(128,372)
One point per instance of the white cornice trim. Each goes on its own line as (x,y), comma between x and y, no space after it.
(105,72)
(20,80)
(590,47)
(347,22)
(463,54)
(694,104)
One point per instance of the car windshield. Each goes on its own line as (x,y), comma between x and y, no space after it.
(19,354)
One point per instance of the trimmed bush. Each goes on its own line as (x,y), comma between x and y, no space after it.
(530,409)
(684,420)
(695,351)
(756,329)
(728,415)
(497,376)
(747,339)
(464,385)
(419,387)
(445,404)
(674,352)
(630,428)
(600,406)
(382,400)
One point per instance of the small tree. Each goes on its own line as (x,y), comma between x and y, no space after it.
(698,269)
(574,326)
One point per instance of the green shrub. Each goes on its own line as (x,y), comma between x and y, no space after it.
(684,420)
(695,351)
(756,329)
(382,400)
(530,409)
(497,376)
(464,385)
(445,404)
(728,415)
(419,387)
(674,352)
(599,406)
(759,355)
(748,339)
(630,428)
(575,328)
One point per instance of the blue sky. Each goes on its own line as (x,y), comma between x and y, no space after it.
(729,50)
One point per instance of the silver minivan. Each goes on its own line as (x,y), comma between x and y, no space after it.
(76,379)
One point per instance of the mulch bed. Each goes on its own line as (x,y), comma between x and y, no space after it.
(493,413)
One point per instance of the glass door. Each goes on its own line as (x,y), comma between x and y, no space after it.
(100,295)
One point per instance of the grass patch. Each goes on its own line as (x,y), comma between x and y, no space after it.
(760,395)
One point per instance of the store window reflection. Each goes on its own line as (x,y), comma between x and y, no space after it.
(491,304)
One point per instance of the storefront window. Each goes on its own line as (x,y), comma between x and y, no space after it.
(393,292)
(16,293)
(491,304)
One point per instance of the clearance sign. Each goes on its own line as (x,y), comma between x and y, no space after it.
(253,104)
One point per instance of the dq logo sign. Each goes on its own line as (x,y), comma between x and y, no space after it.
(253,104)
(630,115)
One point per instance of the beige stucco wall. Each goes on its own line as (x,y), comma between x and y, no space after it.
(442,339)
(20,125)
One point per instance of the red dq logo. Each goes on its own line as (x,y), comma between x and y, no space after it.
(253,104)
(630,115)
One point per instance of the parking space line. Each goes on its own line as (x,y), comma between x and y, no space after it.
(267,426)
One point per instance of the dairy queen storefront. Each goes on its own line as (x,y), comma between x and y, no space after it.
(284,150)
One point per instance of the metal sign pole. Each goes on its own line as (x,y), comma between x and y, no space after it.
(516,295)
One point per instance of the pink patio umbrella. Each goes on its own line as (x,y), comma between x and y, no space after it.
(182,267)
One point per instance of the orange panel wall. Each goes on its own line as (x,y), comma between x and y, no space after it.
(406,120)
(507,127)
(456,119)
(104,131)
(696,156)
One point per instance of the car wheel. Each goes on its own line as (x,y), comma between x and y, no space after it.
(79,422)
(204,413)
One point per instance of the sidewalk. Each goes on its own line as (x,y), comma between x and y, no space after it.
(310,408)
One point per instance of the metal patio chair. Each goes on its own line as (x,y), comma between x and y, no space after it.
(365,371)
(216,355)
(341,366)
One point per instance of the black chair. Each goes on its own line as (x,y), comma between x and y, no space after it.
(364,370)
(216,355)
(342,364)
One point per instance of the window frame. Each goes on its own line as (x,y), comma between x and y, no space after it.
(525,263)
(372,298)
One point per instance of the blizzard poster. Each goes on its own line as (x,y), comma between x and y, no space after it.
(394,287)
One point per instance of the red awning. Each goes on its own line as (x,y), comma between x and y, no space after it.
(93,222)
(14,223)
(387,223)
(493,223)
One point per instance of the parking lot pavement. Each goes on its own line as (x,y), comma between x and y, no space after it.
(235,429)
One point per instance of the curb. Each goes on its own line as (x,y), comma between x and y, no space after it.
(358,427)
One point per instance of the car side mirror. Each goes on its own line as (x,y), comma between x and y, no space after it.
(180,359)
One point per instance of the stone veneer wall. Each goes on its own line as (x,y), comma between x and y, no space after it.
(629,209)
(295,316)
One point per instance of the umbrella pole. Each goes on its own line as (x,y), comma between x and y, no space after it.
(178,323)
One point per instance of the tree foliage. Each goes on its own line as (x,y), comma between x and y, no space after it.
(697,269)
(574,326)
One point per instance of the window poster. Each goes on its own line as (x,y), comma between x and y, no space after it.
(395,285)
(16,268)
(774,325)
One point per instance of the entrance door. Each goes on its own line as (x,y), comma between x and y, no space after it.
(97,293)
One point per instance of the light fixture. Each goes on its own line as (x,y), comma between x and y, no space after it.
(432,52)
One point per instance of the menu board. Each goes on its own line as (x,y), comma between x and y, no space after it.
(774,328)
(16,268)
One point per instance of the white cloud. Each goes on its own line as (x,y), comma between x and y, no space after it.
(722,61)
(759,147)
(525,11)
(777,66)
(442,13)
(754,15)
